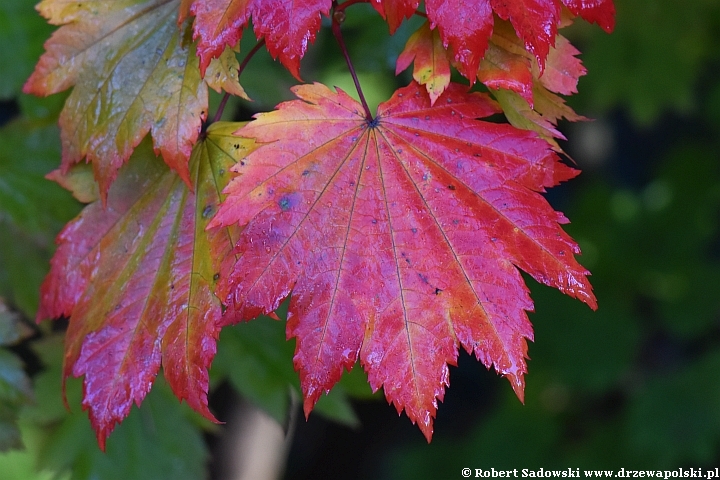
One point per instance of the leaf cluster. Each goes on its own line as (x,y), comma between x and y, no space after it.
(398,236)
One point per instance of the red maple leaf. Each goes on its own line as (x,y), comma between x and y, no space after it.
(400,238)
(601,12)
(466,26)
(287,27)
(431,65)
(136,280)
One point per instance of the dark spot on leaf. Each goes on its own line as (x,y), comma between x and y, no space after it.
(172,286)
(456,222)
(242,164)
(237,145)
(399,150)
(306,173)
(221,171)
(284,203)
(438,291)
(451,187)
(216,277)
(207,211)
(414,230)
(373,221)
(477,154)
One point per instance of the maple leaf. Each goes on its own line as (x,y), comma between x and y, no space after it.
(400,238)
(136,280)
(523,37)
(287,27)
(535,22)
(601,12)
(222,74)
(431,65)
(543,118)
(134,72)
(509,66)
(511,73)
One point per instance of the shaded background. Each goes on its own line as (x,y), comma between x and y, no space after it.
(635,384)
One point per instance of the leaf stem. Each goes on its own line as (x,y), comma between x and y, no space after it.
(241,68)
(338,16)
(221,108)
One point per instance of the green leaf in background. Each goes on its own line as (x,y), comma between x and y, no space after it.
(161,441)
(32,209)
(257,360)
(22,34)
(15,390)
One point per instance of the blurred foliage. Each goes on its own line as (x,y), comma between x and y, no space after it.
(22,34)
(15,389)
(651,62)
(160,441)
(634,384)
(258,362)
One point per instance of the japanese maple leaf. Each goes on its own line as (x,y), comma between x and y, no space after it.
(543,118)
(511,72)
(136,280)
(400,238)
(601,12)
(509,66)
(465,26)
(287,27)
(431,65)
(134,72)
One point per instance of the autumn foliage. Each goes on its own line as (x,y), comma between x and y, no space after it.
(398,235)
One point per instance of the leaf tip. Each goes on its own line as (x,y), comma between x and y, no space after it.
(517,381)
